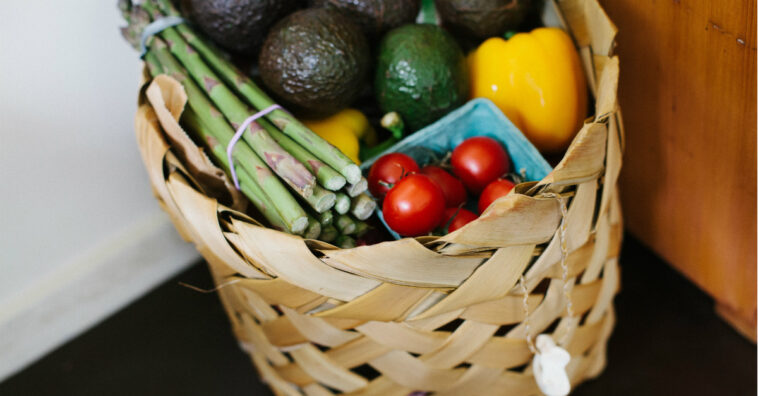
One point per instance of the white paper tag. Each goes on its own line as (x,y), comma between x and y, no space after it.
(549,367)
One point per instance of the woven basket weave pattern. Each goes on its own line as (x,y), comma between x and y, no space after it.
(435,314)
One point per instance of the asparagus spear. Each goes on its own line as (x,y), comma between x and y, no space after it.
(260,100)
(153,64)
(345,225)
(326,218)
(342,204)
(345,242)
(279,160)
(221,133)
(328,233)
(356,189)
(314,228)
(361,227)
(136,19)
(363,206)
(263,202)
(321,200)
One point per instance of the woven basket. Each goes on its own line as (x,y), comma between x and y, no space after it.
(453,315)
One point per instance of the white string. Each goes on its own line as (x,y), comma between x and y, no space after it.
(238,135)
(525,301)
(156,27)
(564,268)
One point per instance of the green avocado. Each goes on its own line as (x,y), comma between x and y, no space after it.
(375,17)
(421,74)
(238,25)
(316,61)
(480,19)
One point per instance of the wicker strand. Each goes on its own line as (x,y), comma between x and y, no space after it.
(207,291)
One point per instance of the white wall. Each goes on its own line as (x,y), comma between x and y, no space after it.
(75,201)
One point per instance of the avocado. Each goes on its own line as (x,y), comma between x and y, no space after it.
(238,26)
(481,19)
(421,74)
(375,17)
(316,61)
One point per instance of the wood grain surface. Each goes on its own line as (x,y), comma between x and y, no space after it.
(688,91)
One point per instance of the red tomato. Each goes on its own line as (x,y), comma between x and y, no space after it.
(388,170)
(414,206)
(455,193)
(462,217)
(496,189)
(478,161)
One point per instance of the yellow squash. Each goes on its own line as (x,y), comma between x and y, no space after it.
(536,79)
(344,130)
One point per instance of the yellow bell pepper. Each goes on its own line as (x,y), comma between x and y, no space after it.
(358,124)
(344,130)
(536,79)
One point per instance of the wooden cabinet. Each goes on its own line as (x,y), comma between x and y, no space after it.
(688,92)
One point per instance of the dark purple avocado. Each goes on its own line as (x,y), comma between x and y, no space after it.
(239,26)
(375,17)
(316,61)
(480,19)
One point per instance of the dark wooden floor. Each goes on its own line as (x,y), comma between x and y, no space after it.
(176,341)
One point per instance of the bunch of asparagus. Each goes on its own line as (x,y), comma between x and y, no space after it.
(280,164)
